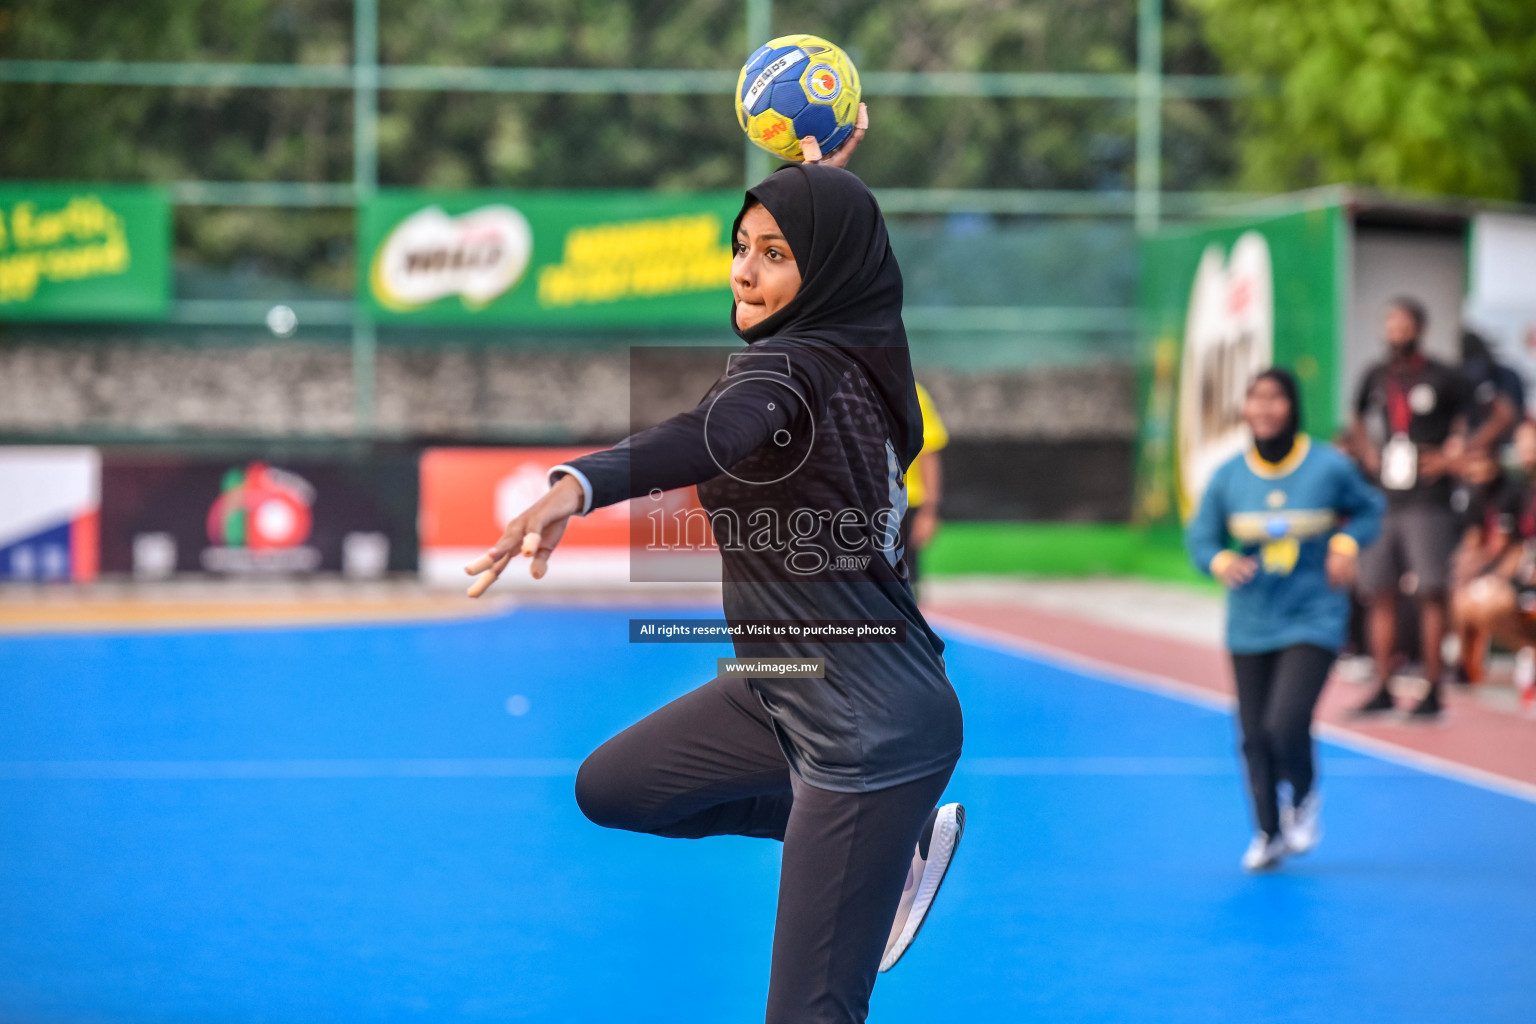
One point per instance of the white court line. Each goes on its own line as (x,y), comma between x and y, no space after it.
(1136,679)
(1149,766)
(307,768)
(1094,668)
(563,767)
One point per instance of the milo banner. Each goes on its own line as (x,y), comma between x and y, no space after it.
(1217,305)
(548,258)
(84,253)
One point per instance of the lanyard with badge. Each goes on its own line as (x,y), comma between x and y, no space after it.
(1399,456)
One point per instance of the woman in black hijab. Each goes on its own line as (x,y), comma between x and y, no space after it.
(800,453)
(1280,525)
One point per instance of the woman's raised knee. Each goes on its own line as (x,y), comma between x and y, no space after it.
(604,795)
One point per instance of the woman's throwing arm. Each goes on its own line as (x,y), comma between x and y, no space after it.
(691,447)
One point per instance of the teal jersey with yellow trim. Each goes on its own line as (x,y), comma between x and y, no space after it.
(1284,515)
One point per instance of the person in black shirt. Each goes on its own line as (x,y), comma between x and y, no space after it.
(1410,419)
(800,453)
(1498,393)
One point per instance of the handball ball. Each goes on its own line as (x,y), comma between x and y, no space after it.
(797,86)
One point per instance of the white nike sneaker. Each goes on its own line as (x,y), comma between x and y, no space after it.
(1302,825)
(935,849)
(1265,852)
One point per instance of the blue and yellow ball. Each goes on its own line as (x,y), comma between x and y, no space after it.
(797,86)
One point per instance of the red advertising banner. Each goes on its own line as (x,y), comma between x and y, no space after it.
(469,494)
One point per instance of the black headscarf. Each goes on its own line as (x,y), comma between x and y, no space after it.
(1477,362)
(1278,447)
(850,286)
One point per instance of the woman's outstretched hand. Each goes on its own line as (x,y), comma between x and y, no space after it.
(810,149)
(534,532)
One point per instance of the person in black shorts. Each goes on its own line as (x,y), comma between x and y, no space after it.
(1409,431)
(800,453)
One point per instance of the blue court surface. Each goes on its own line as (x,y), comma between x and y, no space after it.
(376,823)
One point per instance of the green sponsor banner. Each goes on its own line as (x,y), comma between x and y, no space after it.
(84,252)
(613,259)
(1216,305)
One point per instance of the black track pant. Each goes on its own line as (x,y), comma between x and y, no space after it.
(708,764)
(1277,692)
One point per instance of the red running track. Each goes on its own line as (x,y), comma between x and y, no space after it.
(1472,740)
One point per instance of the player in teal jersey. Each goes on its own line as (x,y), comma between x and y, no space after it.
(1281,526)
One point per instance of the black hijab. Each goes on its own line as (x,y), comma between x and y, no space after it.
(1477,362)
(850,286)
(1279,446)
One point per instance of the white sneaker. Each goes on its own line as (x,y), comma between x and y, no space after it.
(1358,669)
(935,849)
(1525,670)
(1265,852)
(1302,825)
(1525,678)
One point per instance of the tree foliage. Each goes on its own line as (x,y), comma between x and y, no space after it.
(461,139)
(1422,95)
(467,140)
(106,133)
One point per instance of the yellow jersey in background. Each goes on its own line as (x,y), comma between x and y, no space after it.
(935,437)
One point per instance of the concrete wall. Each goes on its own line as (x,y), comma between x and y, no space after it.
(291,389)
(126,389)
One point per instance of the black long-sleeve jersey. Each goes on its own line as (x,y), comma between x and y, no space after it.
(792,456)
